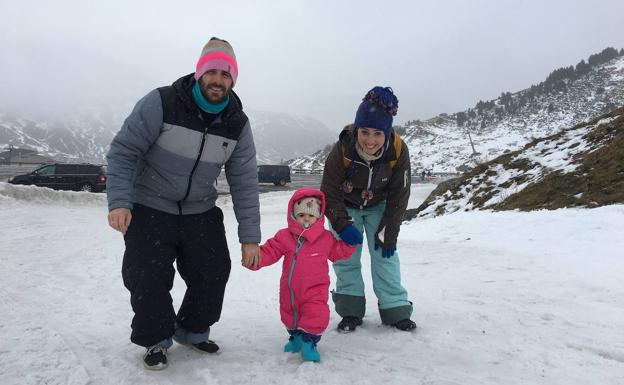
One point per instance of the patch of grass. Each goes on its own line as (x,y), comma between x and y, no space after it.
(604,130)
(519,179)
(599,178)
(483,195)
(522,164)
(490,173)
(554,191)
(440,210)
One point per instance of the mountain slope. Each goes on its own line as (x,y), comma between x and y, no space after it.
(82,137)
(579,166)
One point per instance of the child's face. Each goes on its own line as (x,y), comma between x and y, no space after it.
(302,219)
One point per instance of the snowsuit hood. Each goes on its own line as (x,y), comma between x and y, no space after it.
(318,227)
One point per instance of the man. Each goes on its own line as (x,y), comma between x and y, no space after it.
(162,169)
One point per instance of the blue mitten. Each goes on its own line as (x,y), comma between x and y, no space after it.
(351,235)
(386,252)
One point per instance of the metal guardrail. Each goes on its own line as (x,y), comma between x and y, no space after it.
(305,171)
(9,170)
(414,174)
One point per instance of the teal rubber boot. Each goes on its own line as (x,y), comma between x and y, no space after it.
(309,352)
(293,345)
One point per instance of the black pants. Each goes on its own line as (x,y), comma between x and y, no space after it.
(198,245)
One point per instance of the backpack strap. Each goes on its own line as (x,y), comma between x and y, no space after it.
(397,148)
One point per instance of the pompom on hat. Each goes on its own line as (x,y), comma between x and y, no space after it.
(378,107)
(217,54)
(308,205)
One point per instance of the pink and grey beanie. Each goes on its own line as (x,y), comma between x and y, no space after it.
(217,54)
(308,205)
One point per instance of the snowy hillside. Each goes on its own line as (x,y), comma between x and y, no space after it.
(579,166)
(82,137)
(499,298)
(506,124)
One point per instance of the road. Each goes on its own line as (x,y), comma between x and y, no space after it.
(297,181)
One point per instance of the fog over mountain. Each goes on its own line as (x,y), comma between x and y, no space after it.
(86,136)
(568,96)
(280,137)
(450,142)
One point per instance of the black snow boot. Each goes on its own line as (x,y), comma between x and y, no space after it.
(349,324)
(155,358)
(405,324)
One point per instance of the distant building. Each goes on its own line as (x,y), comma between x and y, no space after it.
(23,156)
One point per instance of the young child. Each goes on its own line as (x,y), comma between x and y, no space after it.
(304,286)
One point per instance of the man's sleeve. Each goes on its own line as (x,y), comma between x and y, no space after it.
(138,132)
(242,175)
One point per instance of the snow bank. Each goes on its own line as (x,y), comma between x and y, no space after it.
(44,195)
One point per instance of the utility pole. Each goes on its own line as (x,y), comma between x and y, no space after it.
(474,152)
(10,153)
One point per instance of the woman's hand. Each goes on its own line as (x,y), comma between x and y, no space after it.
(351,235)
(386,252)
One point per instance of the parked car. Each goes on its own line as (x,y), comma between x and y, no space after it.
(64,176)
(279,175)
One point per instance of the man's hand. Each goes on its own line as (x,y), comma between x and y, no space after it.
(119,219)
(250,255)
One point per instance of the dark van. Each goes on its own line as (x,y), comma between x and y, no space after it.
(63,176)
(279,175)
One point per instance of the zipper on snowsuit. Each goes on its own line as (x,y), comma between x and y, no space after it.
(290,289)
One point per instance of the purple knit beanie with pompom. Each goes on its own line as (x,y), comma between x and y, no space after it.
(378,107)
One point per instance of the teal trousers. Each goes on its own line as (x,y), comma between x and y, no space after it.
(349,297)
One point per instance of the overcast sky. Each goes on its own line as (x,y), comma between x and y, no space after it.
(312,57)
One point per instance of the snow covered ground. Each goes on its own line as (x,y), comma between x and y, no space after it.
(499,298)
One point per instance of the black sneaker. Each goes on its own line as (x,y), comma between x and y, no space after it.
(405,324)
(155,358)
(205,347)
(349,324)
(208,346)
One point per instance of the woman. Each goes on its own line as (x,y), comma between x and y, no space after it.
(366,182)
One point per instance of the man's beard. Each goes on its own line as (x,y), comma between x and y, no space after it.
(212,98)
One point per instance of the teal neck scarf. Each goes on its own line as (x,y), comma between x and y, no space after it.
(205,105)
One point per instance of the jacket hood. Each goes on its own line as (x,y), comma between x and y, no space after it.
(318,227)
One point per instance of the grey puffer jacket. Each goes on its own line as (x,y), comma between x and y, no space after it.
(166,157)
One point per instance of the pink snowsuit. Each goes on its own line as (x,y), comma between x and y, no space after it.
(304,285)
